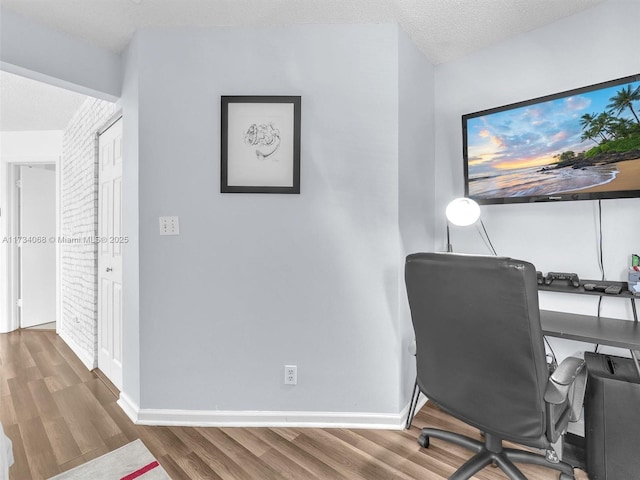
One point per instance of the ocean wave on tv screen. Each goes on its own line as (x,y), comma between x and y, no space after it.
(535,182)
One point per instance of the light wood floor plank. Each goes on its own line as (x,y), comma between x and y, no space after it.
(64,445)
(397,459)
(22,400)
(224,466)
(69,401)
(172,468)
(349,461)
(244,458)
(168,441)
(20,468)
(244,437)
(7,412)
(59,415)
(37,446)
(47,408)
(196,468)
(286,467)
(278,440)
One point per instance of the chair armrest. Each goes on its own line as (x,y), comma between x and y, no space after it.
(560,382)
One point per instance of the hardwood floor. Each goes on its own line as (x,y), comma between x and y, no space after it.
(59,415)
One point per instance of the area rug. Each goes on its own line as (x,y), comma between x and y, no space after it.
(133,461)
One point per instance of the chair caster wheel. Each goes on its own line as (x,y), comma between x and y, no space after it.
(423,440)
(564,476)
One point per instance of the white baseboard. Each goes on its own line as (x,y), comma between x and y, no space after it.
(84,357)
(422,401)
(129,407)
(217,418)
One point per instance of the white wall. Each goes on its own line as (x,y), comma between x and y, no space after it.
(416,150)
(255,282)
(596,45)
(43,53)
(130,201)
(19,147)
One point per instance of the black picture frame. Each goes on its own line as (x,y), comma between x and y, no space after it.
(260,144)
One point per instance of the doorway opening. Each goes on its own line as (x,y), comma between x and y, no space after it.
(33,245)
(75,237)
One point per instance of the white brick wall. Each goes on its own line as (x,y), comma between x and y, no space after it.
(79,220)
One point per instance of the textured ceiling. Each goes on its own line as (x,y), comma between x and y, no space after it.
(443,29)
(29,105)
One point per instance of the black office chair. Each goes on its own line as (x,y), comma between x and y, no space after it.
(480,357)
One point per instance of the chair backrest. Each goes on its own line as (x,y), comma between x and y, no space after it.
(480,352)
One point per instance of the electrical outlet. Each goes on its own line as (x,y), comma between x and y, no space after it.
(290,375)
(169,226)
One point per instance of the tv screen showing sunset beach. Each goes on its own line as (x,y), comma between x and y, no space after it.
(584,141)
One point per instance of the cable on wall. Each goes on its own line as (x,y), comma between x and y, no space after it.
(600,254)
(600,259)
(600,250)
(486,238)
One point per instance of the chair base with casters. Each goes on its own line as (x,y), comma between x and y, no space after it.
(492,452)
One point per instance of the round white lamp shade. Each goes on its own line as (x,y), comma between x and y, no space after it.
(463,212)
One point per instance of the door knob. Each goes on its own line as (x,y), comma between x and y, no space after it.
(109,269)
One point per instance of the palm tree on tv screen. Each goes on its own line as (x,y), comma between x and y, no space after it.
(596,125)
(624,98)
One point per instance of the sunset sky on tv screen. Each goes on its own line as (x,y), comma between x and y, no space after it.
(531,136)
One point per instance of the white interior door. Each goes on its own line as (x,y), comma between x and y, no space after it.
(36,244)
(110,253)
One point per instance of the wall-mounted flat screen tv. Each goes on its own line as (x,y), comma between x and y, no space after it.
(577,145)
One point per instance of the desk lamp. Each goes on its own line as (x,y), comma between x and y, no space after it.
(461,212)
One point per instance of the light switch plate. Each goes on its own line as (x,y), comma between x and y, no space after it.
(169,226)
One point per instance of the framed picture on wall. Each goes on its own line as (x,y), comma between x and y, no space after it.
(260,144)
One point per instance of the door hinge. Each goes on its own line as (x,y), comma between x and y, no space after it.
(19,303)
(18,183)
